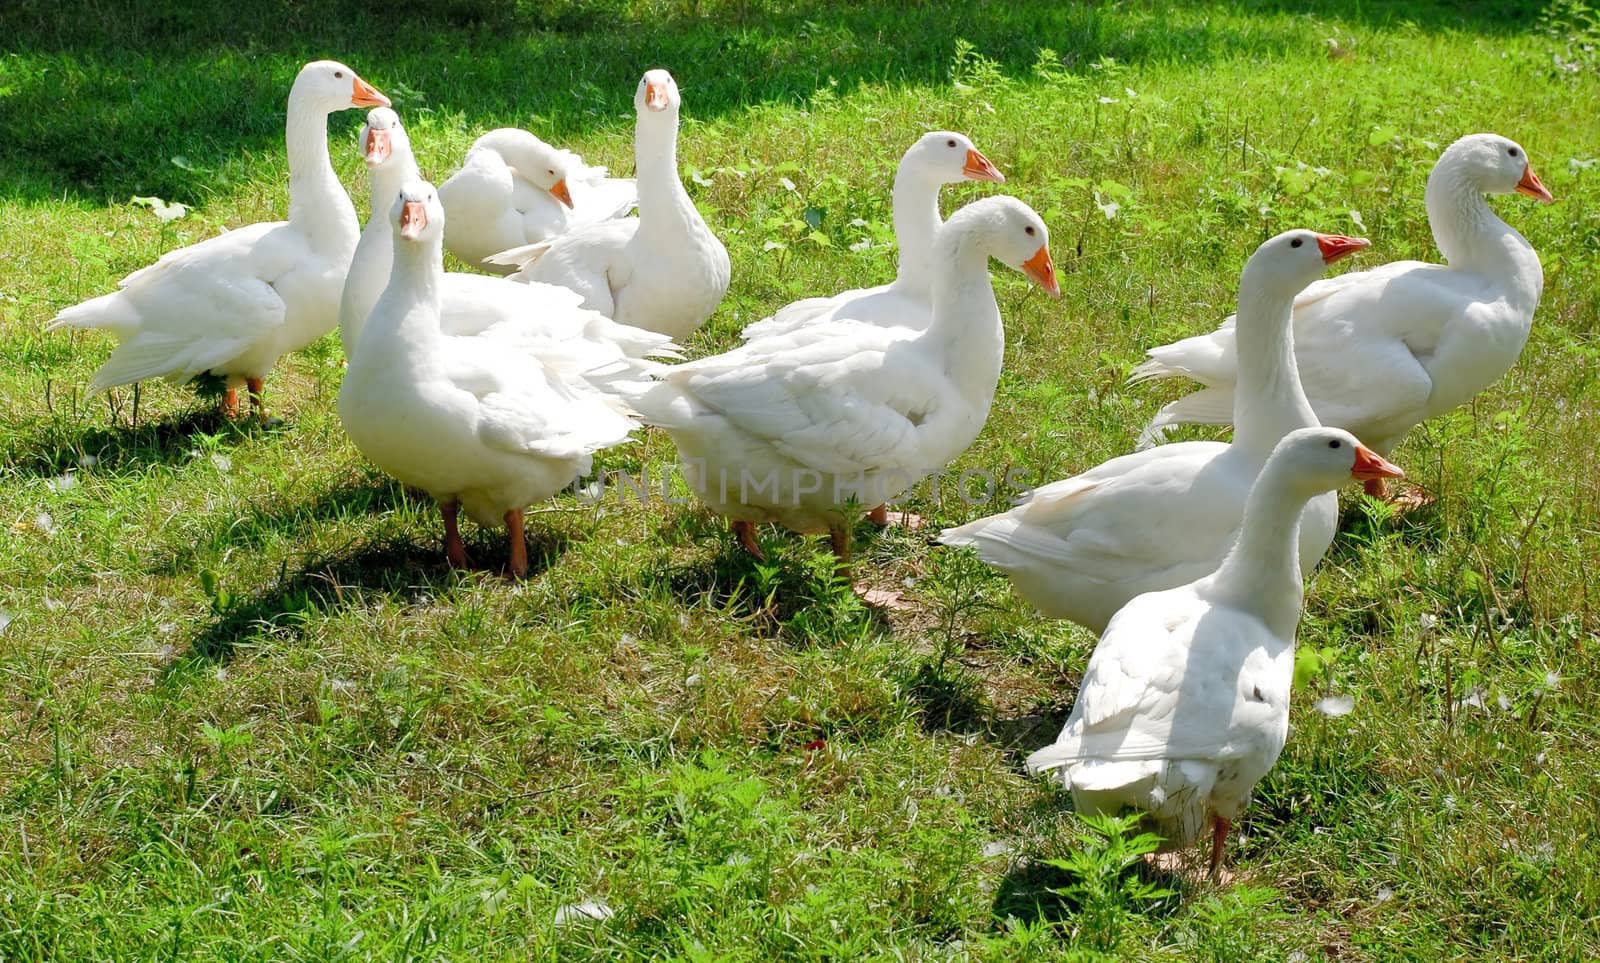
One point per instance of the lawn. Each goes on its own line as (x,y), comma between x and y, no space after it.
(247,712)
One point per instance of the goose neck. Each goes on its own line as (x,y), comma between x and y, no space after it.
(965,324)
(318,203)
(1269,401)
(915,204)
(386,183)
(662,198)
(415,279)
(1261,573)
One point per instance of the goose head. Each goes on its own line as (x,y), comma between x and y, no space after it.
(1285,264)
(1495,165)
(547,168)
(657,92)
(946,157)
(383,137)
(1010,232)
(1316,460)
(329,86)
(417,216)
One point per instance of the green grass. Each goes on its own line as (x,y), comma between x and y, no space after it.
(249,714)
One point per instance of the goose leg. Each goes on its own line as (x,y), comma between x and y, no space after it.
(519,546)
(257,400)
(1219,836)
(230,402)
(839,540)
(454,550)
(880,516)
(746,533)
(1376,488)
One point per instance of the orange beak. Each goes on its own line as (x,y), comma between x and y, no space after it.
(559,191)
(363,94)
(378,147)
(1531,186)
(980,169)
(413,218)
(1043,271)
(1371,465)
(655,95)
(1336,246)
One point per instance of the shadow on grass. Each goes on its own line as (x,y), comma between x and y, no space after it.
(399,570)
(793,594)
(1036,891)
(263,523)
(100,104)
(63,445)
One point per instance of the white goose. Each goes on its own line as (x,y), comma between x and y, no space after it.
(937,158)
(1381,351)
(799,427)
(539,318)
(663,270)
(1184,705)
(515,189)
(233,305)
(472,425)
(1080,548)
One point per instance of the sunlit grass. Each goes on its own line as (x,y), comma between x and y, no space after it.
(249,713)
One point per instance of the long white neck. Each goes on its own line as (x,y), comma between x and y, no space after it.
(664,206)
(369,268)
(965,326)
(1472,237)
(1261,573)
(1268,400)
(407,313)
(916,221)
(318,204)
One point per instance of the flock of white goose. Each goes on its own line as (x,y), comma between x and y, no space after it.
(491,393)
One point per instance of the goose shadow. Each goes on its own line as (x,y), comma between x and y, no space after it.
(792,594)
(397,569)
(63,446)
(1037,890)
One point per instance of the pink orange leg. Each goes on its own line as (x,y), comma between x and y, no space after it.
(880,516)
(1376,488)
(1219,836)
(839,540)
(746,533)
(257,396)
(454,550)
(519,546)
(230,402)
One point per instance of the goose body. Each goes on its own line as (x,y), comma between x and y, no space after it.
(461,418)
(1381,351)
(1184,705)
(663,270)
(539,318)
(937,158)
(1080,548)
(233,305)
(806,427)
(514,189)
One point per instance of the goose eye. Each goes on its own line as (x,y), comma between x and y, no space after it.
(1512,151)
(339,74)
(1029,230)
(551,173)
(1297,242)
(1336,443)
(950,143)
